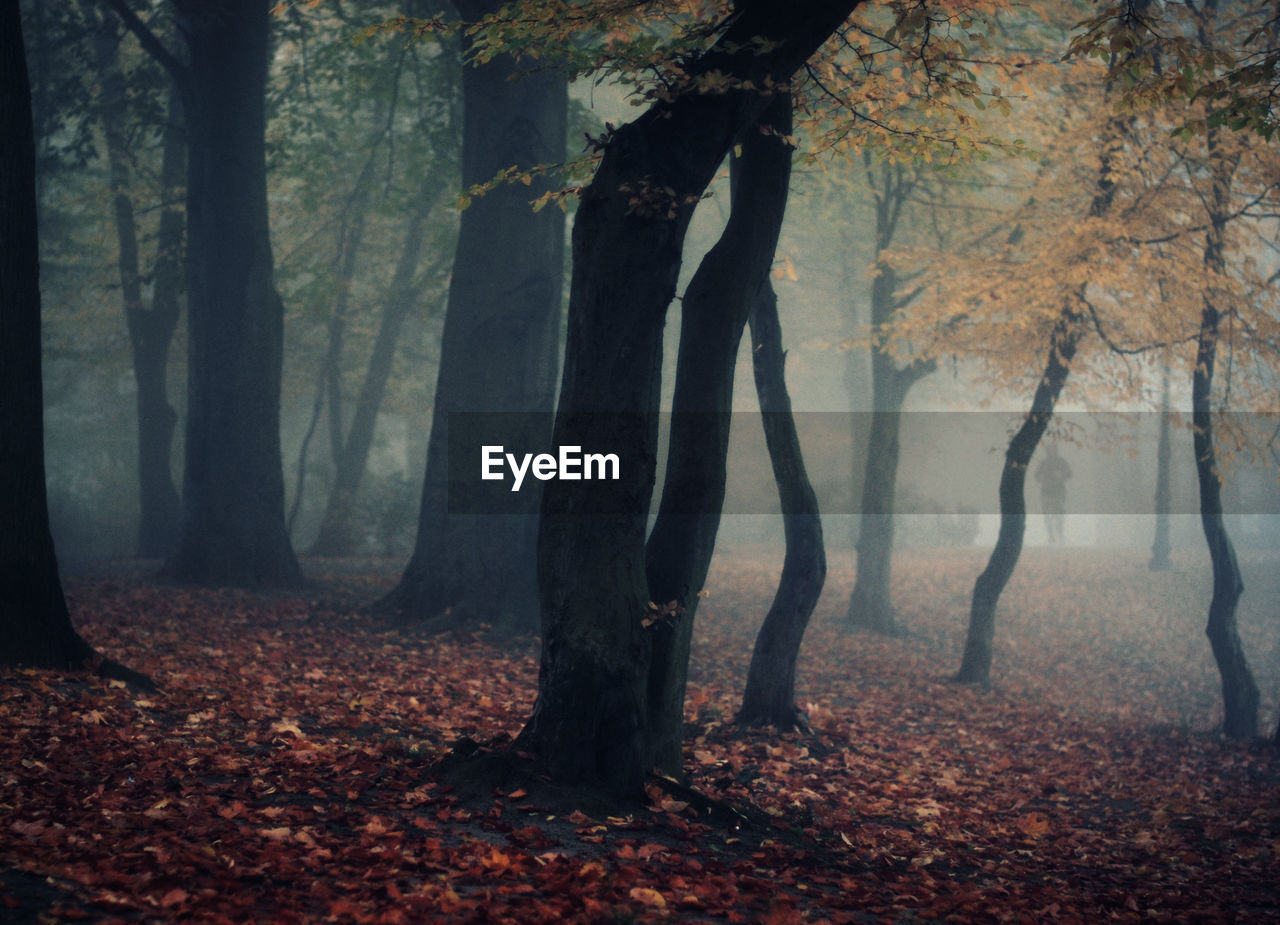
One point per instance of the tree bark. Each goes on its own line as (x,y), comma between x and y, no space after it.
(499,351)
(589,722)
(1239,691)
(714,312)
(975,667)
(151,327)
(769,698)
(233,526)
(35,625)
(870,606)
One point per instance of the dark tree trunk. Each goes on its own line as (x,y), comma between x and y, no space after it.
(336,536)
(769,698)
(589,721)
(160,507)
(1239,691)
(714,313)
(233,527)
(500,347)
(869,604)
(975,668)
(35,626)
(1160,548)
(151,327)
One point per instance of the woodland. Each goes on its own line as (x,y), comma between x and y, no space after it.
(275,278)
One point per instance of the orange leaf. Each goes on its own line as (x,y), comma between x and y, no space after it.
(1034,824)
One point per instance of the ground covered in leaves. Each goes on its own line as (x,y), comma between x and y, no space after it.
(283,773)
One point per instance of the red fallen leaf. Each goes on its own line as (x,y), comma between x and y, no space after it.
(645,852)
(277,834)
(1034,824)
(174,897)
(517,794)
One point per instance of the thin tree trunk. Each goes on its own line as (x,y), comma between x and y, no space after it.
(1239,691)
(870,606)
(335,536)
(769,698)
(150,328)
(329,381)
(714,312)
(975,668)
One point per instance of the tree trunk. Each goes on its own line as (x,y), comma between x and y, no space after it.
(1160,548)
(589,722)
(714,313)
(35,626)
(975,668)
(769,698)
(151,327)
(336,537)
(1239,691)
(869,604)
(233,527)
(499,351)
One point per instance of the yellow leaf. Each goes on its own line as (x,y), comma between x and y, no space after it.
(648,897)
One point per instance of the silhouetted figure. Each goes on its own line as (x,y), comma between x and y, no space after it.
(1052,474)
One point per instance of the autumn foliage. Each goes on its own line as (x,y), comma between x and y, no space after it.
(284,773)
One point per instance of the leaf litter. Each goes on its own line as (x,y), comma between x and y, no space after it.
(285,767)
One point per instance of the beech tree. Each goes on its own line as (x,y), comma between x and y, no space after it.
(589,721)
(891,185)
(714,312)
(35,625)
(769,695)
(233,525)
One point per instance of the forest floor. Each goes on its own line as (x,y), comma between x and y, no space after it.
(283,772)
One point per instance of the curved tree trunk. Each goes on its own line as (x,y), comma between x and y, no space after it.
(588,724)
(769,698)
(233,525)
(714,312)
(35,626)
(499,351)
(1239,691)
(975,668)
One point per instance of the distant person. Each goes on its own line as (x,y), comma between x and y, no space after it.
(1052,474)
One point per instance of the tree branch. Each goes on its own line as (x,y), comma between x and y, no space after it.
(151,43)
